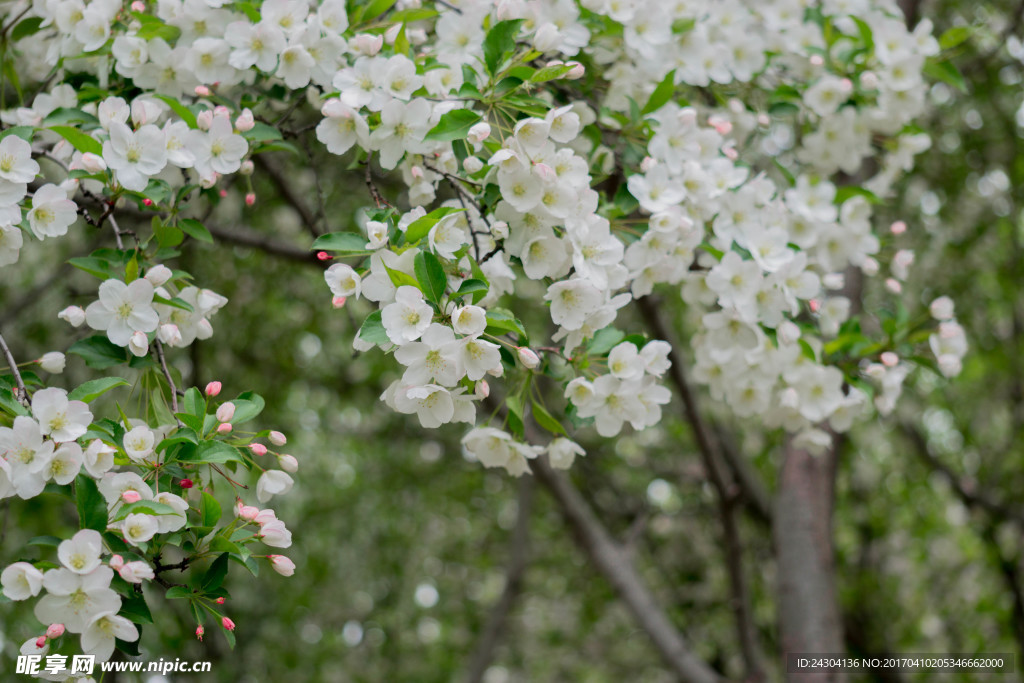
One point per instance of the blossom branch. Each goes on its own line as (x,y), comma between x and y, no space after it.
(21,393)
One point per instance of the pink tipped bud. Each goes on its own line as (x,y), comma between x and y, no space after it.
(41,642)
(247,167)
(893,285)
(847,85)
(138,6)
(577,71)
(258,448)
(890,359)
(527,357)
(482,389)
(202,91)
(224,428)
(213,388)
(186,483)
(93,163)
(817,60)
(54,631)
(147,202)
(245,121)
(288,463)
(221,110)
(277,438)
(250,198)
(227,623)
(869,266)
(226,411)
(869,79)
(544,172)
(367,44)
(220,601)
(479,132)
(282,565)
(116,562)
(248,512)
(731,153)
(323,256)
(764,119)
(223,193)
(205,118)
(338,301)
(648,163)
(416,172)
(898,228)
(199,633)
(815,304)
(131,496)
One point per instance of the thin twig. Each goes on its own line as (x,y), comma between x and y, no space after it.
(21,393)
(378,199)
(289,195)
(167,374)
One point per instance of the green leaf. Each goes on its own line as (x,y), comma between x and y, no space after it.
(501,320)
(478,288)
(79,140)
(500,40)
(604,341)
(550,73)
(454,125)
(261,132)
(95,388)
(372,330)
(166,234)
(210,510)
(661,95)
(95,266)
(431,276)
(247,406)
(213,453)
(401,279)
(945,71)
(214,576)
(23,132)
(46,541)
(195,229)
(178,592)
(179,109)
(546,420)
(194,402)
(401,45)
(10,404)
(515,415)
(375,9)
(143,507)
(99,352)
(134,608)
(92,507)
(951,37)
(421,227)
(346,242)
(850,191)
(26,28)
(68,115)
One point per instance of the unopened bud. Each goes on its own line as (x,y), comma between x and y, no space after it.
(199,632)
(205,118)
(282,565)
(213,388)
(258,448)
(138,344)
(472,165)
(53,362)
(74,315)
(577,71)
(869,80)
(186,483)
(147,202)
(250,198)
(93,163)
(169,334)
(898,228)
(245,121)
(869,266)
(116,562)
(277,438)
(220,601)
(138,6)
(41,642)
(889,359)
(338,301)
(482,389)
(225,411)
(942,308)
(54,631)
(323,256)
(247,168)
(131,496)
(893,285)
(479,132)
(288,463)
(227,623)
(499,230)
(224,428)
(248,512)
(527,357)
(817,60)
(158,275)
(367,44)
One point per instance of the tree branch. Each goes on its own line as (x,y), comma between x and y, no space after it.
(167,375)
(519,551)
(264,243)
(21,393)
(289,195)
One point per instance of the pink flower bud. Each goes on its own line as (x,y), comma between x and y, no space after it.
(223,193)
(277,438)
(323,256)
(258,448)
(577,71)
(817,60)
(248,512)
(199,633)
(54,631)
(221,110)
(250,198)
(202,91)
(158,275)
(138,6)
(226,411)
(213,388)
(869,266)
(116,562)
(288,463)
(527,357)
(764,119)
(247,168)
(205,119)
(131,496)
(367,44)
(890,359)
(41,642)
(338,301)
(648,163)
(898,228)
(227,623)
(147,202)
(186,483)
(224,428)
(245,121)
(869,80)
(93,163)
(814,304)
(482,389)
(73,315)
(169,334)
(282,565)
(731,153)
(392,33)
(220,601)
(416,172)
(479,132)
(893,285)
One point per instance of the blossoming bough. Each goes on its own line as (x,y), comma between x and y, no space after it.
(686,146)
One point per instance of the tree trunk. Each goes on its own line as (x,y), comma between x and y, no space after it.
(809,617)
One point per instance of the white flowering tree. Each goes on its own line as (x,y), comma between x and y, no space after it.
(548,188)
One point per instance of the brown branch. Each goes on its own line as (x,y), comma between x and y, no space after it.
(289,195)
(727,494)
(167,374)
(518,559)
(264,243)
(21,393)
